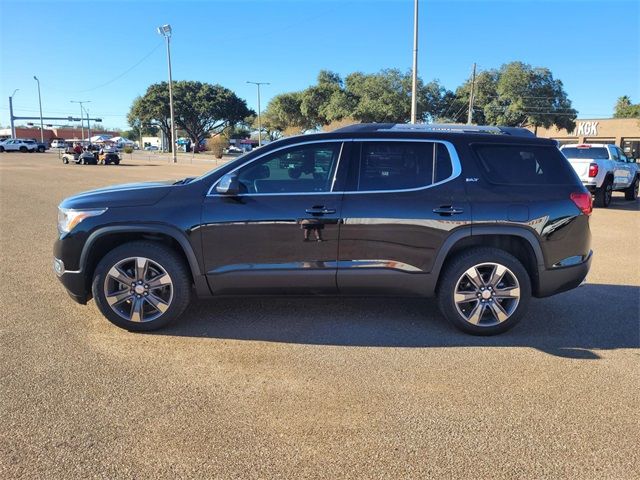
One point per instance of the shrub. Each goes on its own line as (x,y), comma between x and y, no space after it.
(128,149)
(217,145)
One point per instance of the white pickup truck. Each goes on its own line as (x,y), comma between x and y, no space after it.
(604,168)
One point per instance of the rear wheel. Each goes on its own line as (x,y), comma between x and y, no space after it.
(631,192)
(23,149)
(484,291)
(1,149)
(141,286)
(41,149)
(65,159)
(604,193)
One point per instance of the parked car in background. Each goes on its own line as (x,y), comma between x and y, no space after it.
(151,148)
(483,218)
(18,145)
(58,144)
(603,169)
(41,147)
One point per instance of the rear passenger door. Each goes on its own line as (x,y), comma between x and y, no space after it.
(625,171)
(402,199)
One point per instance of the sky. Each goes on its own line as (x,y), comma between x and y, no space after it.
(109,52)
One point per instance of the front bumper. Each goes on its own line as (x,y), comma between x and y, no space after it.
(73,281)
(561,279)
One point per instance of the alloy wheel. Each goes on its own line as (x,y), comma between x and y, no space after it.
(487,294)
(138,289)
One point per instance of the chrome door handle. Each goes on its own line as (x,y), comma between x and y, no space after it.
(447,210)
(320,211)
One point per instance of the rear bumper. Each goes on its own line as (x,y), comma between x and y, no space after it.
(561,279)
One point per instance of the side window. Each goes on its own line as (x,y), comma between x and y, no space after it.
(401,165)
(524,164)
(621,155)
(614,153)
(306,168)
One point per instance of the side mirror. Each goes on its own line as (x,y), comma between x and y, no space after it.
(228,185)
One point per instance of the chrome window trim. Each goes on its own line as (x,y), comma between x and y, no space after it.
(456,168)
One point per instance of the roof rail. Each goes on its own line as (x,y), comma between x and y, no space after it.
(437,128)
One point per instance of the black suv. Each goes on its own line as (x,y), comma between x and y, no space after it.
(481,217)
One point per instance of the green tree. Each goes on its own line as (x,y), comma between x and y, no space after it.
(625,109)
(285,111)
(199,108)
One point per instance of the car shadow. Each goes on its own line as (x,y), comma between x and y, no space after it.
(574,325)
(619,203)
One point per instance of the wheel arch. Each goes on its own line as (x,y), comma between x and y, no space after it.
(107,238)
(518,241)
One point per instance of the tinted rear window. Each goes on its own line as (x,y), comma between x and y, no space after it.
(525,165)
(599,153)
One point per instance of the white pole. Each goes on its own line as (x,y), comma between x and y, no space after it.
(414,83)
(40,103)
(173,122)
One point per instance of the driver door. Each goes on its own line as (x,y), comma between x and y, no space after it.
(280,233)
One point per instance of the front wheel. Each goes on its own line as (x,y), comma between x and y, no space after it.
(23,149)
(141,286)
(484,291)
(65,160)
(41,149)
(1,149)
(631,192)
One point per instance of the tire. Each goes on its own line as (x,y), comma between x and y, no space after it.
(125,309)
(458,295)
(41,149)
(117,162)
(1,149)
(604,193)
(23,149)
(81,161)
(65,160)
(631,192)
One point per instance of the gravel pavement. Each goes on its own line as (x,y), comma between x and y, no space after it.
(307,387)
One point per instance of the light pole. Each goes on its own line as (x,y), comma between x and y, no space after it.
(88,124)
(81,114)
(13,127)
(165,31)
(40,103)
(414,82)
(257,84)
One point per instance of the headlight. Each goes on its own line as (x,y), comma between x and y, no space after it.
(68,218)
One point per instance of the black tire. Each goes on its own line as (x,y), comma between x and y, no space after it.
(454,275)
(631,192)
(116,162)
(23,149)
(41,149)
(65,160)
(1,149)
(604,193)
(159,254)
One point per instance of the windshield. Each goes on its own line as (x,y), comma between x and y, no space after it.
(597,153)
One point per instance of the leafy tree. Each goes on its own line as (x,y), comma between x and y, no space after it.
(625,109)
(152,107)
(517,94)
(283,111)
(199,108)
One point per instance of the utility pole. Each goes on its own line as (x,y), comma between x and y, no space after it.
(165,31)
(472,96)
(414,83)
(13,127)
(81,114)
(40,103)
(257,84)
(88,123)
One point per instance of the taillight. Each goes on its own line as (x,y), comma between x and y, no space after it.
(583,202)
(593,170)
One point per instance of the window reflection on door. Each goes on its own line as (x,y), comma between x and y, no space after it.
(303,169)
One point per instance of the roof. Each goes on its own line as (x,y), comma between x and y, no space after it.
(434,128)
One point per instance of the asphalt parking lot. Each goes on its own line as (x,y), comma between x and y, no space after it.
(307,387)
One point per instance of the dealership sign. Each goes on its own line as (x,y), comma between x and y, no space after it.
(586,129)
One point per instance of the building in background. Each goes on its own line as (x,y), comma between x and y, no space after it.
(623,132)
(69,134)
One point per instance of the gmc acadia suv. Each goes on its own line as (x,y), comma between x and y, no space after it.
(481,217)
